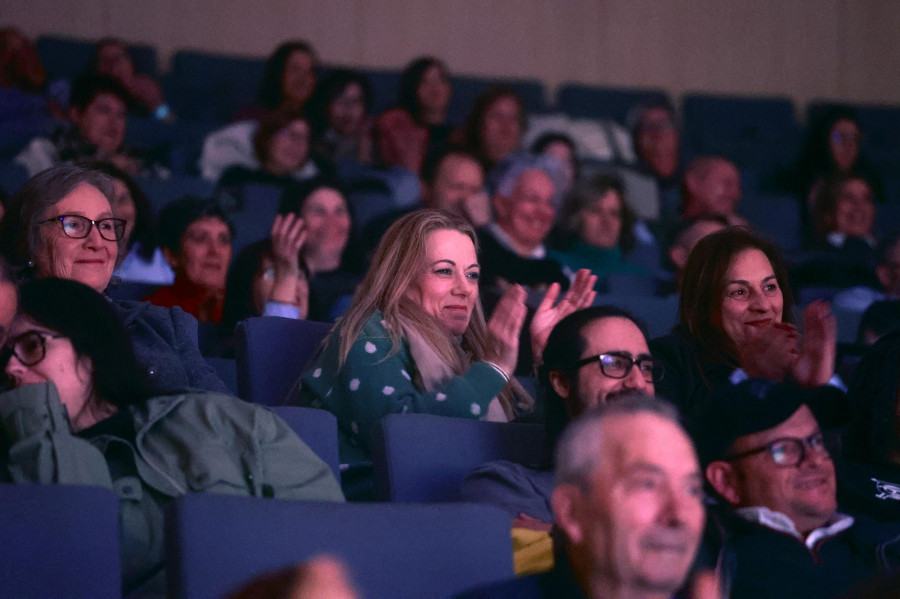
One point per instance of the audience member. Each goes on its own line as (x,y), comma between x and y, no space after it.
(98,113)
(8,298)
(655,138)
(288,82)
(689,234)
(494,127)
(196,241)
(562,147)
(81,414)
(735,318)
(418,125)
(768,460)
(859,298)
(712,186)
(593,356)
(327,257)
(415,338)
(266,280)
(20,65)
(139,259)
(61,224)
(597,230)
(513,249)
(869,481)
(878,320)
(282,147)
(628,503)
(111,58)
(342,128)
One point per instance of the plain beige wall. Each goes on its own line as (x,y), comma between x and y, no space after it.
(806,49)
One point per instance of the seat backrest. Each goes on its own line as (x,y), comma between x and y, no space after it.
(424,458)
(398,551)
(271,352)
(59,541)
(601,102)
(318,429)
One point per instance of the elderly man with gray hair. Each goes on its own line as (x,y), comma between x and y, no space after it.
(628,505)
(524,206)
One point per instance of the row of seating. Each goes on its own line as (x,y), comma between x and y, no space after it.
(208,87)
(63,541)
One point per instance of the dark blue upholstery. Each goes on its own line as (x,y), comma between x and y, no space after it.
(226,370)
(216,543)
(212,87)
(783,230)
(59,541)
(12,177)
(161,191)
(466,89)
(65,57)
(318,429)
(271,353)
(659,313)
(253,214)
(423,458)
(590,101)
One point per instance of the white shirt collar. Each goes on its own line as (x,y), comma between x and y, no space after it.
(782,523)
(538,253)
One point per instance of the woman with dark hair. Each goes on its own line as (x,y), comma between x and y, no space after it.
(598,227)
(139,259)
(562,147)
(495,126)
(61,224)
(282,146)
(342,129)
(736,313)
(288,81)
(327,257)
(81,413)
(111,58)
(418,125)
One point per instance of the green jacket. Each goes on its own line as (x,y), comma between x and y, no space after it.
(374,382)
(195,442)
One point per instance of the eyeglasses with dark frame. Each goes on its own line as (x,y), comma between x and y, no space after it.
(792,451)
(29,348)
(79,227)
(618,366)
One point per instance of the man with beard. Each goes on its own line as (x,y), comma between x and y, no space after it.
(628,504)
(768,461)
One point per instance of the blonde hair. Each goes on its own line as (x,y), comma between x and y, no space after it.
(399,258)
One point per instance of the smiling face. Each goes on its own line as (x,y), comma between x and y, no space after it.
(854,214)
(70,373)
(204,254)
(90,260)
(638,523)
(289,148)
(298,80)
(102,122)
(591,387)
(752,295)
(447,284)
(327,222)
(600,224)
(527,214)
(806,493)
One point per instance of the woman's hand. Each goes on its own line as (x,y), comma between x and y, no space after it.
(818,352)
(770,351)
(288,237)
(505,327)
(580,295)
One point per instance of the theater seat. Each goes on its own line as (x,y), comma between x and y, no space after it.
(271,352)
(217,543)
(423,458)
(59,541)
(318,429)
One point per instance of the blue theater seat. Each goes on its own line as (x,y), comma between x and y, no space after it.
(467,89)
(217,543)
(271,353)
(318,429)
(65,57)
(599,102)
(207,87)
(59,541)
(424,458)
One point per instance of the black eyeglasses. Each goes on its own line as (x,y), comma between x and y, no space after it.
(791,451)
(28,348)
(79,227)
(618,366)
